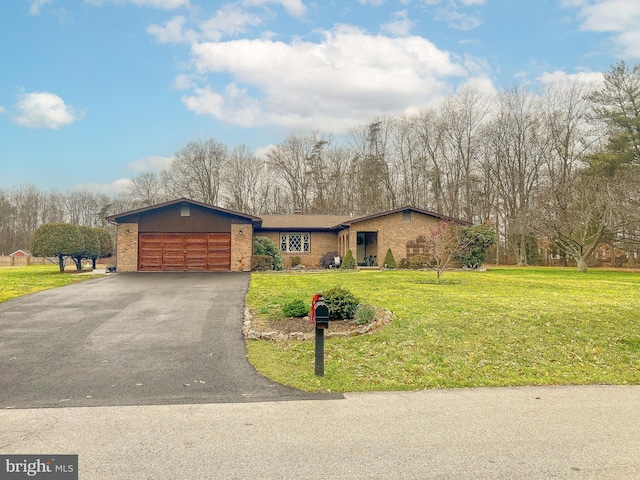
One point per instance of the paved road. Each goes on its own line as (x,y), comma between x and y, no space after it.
(131,339)
(486,433)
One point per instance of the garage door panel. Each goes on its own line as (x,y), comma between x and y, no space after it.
(179,252)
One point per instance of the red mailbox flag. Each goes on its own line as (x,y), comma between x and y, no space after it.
(312,315)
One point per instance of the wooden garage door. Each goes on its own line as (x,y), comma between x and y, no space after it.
(184,251)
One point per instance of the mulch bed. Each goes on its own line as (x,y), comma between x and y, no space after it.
(301,328)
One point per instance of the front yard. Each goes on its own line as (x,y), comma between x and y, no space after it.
(17,281)
(530,326)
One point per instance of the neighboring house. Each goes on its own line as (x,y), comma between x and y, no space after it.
(187,235)
(20,253)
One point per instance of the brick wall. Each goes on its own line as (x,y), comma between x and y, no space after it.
(127,247)
(393,233)
(241,247)
(321,243)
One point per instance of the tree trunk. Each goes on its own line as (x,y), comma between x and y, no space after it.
(582,264)
(61,263)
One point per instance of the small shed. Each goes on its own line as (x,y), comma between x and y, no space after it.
(20,253)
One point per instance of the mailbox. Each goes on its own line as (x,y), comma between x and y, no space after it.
(321,314)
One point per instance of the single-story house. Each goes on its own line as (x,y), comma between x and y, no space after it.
(186,235)
(20,253)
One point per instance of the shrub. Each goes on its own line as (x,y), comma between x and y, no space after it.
(60,240)
(341,302)
(476,241)
(348,262)
(404,263)
(296,308)
(328,259)
(265,246)
(261,263)
(364,314)
(418,261)
(295,261)
(389,261)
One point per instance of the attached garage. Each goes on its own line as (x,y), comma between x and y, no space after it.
(184,235)
(184,251)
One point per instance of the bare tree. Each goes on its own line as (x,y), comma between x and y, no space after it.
(443,243)
(247,183)
(519,149)
(290,160)
(147,189)
(196,170)
(583,214)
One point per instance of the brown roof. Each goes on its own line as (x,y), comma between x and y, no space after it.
(115,218)
(352,220)
(303,222)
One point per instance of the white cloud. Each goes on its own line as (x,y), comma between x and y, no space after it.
(116,187)
(36,5)
(400,26)
(44,110)
(375,3)
(261,152)
(472,2)
(457,19)
(150,164)
(229,20)
(618,17)
(295,8)
(184,82)
(171,32)
(558,76)
(2,109)
(162,4)
(349,77)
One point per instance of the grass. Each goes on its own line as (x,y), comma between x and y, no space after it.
(502,327)
(18,281)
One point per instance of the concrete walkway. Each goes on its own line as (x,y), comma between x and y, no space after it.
(590,432)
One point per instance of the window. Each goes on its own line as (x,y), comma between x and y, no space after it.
(185,211)
(295,242)
(406,216)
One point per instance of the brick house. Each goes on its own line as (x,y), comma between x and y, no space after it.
(185,235)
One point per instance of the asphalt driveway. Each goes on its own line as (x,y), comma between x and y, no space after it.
(131,339)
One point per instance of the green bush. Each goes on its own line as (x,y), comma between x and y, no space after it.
(341,302)
(418,261)
(60,240)
(389,261)
(404,263)
(296,308)
(348,262)
(261,263)
(265,246)
(476,241)
(295,261)
(364,314)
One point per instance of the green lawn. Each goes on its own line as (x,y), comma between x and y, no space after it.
(18,281)
(531,326)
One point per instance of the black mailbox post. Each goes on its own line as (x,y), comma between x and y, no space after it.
(321,316)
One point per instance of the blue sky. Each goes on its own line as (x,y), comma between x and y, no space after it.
(93,92)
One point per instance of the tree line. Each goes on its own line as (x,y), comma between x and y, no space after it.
(555,170)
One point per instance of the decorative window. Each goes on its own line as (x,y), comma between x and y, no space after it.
(295,242)
(185,211)
(406,216)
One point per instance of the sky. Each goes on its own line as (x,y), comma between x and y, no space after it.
(95,92)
